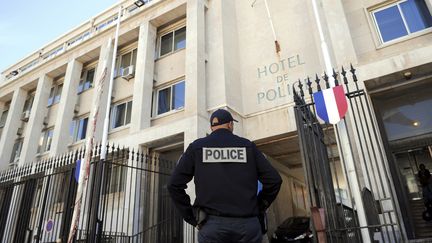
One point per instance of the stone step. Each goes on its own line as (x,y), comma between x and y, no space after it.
(423,229)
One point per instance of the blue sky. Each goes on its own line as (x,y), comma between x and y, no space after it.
(26,26)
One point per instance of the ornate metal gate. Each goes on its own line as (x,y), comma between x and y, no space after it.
(344,161)
(133,205)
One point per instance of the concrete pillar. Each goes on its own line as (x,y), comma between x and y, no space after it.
(61,135)
(195,85)
(35,123)
(230,55)
(339,34)
(198,128)
(143,84)
(103,71)
(13,122)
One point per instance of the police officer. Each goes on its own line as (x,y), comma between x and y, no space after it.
(226,169)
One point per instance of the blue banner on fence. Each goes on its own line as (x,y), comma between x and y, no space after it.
(77,170)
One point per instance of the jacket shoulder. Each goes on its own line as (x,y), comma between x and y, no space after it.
(243,140)
(198,142)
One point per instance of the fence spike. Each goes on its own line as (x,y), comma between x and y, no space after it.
(309,84)
(335,77)
(300,86)
(345,80)
(99,151)
(112,150)
(317,81)
(353,73)
(143,158)
(326,79)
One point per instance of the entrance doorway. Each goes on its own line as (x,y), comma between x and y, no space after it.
(283,152)
(408,163)
(405,117)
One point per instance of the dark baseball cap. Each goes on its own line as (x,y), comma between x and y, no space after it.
(221,116)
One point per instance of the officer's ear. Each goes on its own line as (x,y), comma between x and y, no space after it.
(231,126)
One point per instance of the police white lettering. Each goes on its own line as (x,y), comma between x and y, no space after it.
(224,155)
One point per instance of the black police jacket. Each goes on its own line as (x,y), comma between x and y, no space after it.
(226,169)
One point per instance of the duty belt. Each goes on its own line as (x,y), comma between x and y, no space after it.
(219,214)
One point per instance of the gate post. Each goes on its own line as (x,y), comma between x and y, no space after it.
(345,149)
(95,226)
(13,211)
(318,219)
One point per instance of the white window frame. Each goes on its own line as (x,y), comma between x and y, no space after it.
(119,69)
(75,124)
(43,140)
(114,114)
(28,104)
(116,185)
(83,80)
(409,33)
(156,99)
(171,29)
(4,114)
(54,92)
(16,151)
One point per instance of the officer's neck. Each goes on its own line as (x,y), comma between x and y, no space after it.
(221,129)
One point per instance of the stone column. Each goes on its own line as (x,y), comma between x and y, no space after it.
(143,84)
(198,128)
(2,108)
(61,135)
(339,34)
(195,85)
(10,129)
(195,88)
(35,123)
(103,70)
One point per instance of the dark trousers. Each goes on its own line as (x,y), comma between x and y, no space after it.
(230,230)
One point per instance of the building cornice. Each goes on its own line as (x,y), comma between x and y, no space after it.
(88,30)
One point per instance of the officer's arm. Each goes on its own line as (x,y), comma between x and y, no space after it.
(270,179)
(182,174)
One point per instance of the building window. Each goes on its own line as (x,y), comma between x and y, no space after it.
(401,19)
(126,60)
(117,179)
(171,98)
(172,41)
(86,81)
(121,114)
(16,151)
(4,117)
(55,94)
(29,102)
(78,129)
(45,140)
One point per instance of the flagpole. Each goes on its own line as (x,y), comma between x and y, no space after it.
(85,167)
(345,148)
(110,88)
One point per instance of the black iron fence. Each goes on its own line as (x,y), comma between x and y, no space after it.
(345,165)
(125,200)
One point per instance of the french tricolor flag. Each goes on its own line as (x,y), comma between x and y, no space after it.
(331,104)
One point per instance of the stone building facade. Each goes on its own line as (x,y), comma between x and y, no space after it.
(179,60)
